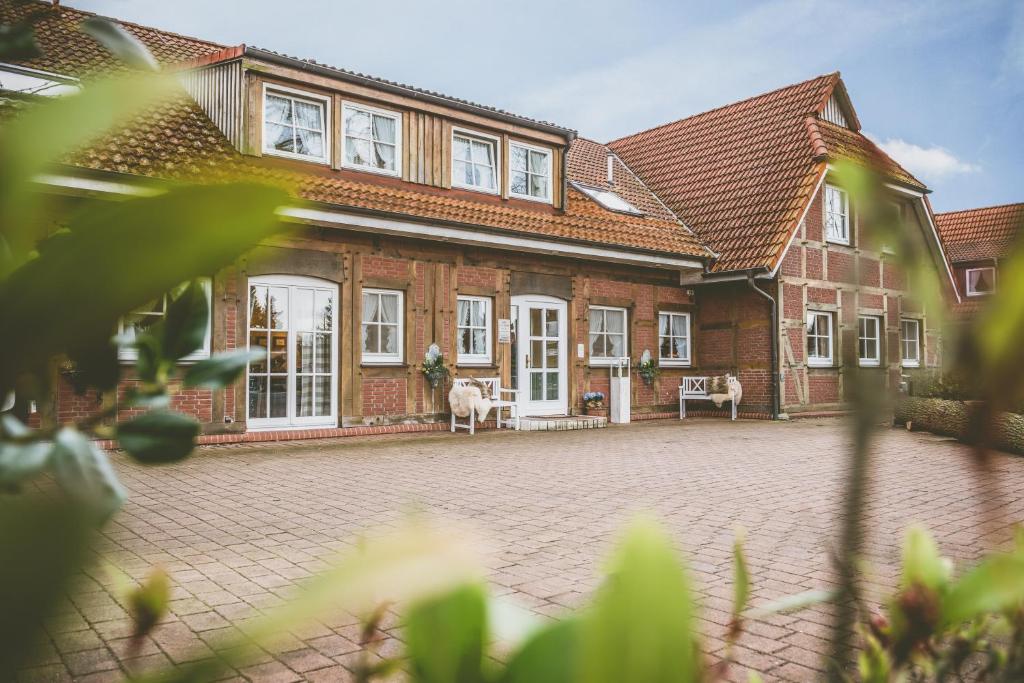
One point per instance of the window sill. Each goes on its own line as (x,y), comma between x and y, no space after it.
(911,364)
(674,363)
(975,295)
(187,360)
(323,161)
(471,188)
(821,365)
(383,364)
(869,364)
(475,364)
(397,173)
(830,240)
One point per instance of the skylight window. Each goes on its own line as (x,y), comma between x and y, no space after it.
(608,200)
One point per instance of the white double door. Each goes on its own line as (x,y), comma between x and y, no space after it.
(540,354)
(294,383)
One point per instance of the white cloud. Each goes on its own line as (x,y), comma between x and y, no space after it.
(926,162)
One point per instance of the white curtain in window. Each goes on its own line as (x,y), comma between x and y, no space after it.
(389,308)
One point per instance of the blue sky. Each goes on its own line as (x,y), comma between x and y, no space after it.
(939,84)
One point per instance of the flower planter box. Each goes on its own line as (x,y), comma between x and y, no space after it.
(596,411)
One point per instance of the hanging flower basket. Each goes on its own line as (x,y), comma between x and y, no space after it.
(647,368)
(434,368)
(593,404)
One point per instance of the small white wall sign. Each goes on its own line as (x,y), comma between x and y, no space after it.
(504,331)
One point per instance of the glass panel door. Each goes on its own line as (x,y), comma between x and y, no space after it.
(541,355)
(294,383)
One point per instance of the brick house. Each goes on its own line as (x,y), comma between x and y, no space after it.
(716,243)
(976,242)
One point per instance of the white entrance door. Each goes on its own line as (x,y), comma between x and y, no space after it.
(541,356)
(296,383)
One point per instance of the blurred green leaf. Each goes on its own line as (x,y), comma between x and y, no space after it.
(148,603)
(147,356)
(158,436)
(184,327)
(142,247)
(18,42)
(41,136)
(997,584)
(445,637)
(550,656)
(741,578)
(20,462)
(85,474)
(120,43)
(221,369)
(792,603)
(44,540)
(641,625)
(922,564)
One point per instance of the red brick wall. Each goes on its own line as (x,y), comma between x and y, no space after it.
(385,396)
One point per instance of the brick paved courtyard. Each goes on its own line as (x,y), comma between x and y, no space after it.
(237,526)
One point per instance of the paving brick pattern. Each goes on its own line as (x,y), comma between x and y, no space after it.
(238,526)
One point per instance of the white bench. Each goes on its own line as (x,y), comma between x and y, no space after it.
(498,401)
(696,389)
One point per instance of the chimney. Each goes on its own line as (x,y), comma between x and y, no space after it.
(611,168)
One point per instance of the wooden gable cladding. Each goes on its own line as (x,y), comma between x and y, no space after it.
(426,157)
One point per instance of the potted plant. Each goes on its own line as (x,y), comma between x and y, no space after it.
(647,368)
(434,368)
(593,404)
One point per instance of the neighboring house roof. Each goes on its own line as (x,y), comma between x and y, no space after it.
(980,234)
(742,176)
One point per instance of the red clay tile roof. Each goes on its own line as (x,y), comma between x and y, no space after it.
(978,234)
(742,175)
(70,52)
(588,165)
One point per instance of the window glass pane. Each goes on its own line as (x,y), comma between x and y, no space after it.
(308,142)
(535,322)
(324,310)
(536,354)
(482,153)
(479,343)
(483,176)
(257,396)
(679,326)
(665,347)
(278,307)
(322,406)
(384,156)
(309,115)
(323,352)
(277,109)
(463,339)
(357,123)
(536,386)
(597,345)
(278,397)
(616,345)
(370,304)
(682,347)
(389,339)
(357,152)
(389,308)
(304,396)
(518,182)
(384,129)
(615,320)
(551,351)
(279,137)
(371,338)
(302,318)
(518,158)
(538,186)
(304,352)
(463,173)
(460,149)
(479,309)
(258,339)
(538,162)
(463,312)
(552,386)
(279,352)
(597,320)
(663,324)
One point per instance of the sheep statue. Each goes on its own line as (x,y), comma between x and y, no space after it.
(465,397)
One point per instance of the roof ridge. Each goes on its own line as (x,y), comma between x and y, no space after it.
(980,208)
(62,8)
(745,100)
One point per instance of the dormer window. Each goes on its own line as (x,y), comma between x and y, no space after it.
(529,172)
(980,281)
(474,162)
(837,215)
(373,139)
(294,124)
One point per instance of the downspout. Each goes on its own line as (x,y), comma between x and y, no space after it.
(772,344)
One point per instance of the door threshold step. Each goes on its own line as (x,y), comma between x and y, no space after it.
(558,423)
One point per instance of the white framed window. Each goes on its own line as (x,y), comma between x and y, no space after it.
(980,281)
(294,383)
(295,124)
(154,312)
(473,330)
(673,338)
(383,325)
(869,340)
(529,172)
(608,334)
(837,215)
(910,342)
(819,338)
(371,139)
(474,161)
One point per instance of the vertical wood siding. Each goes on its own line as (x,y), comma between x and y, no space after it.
(833,113)
(218,90)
